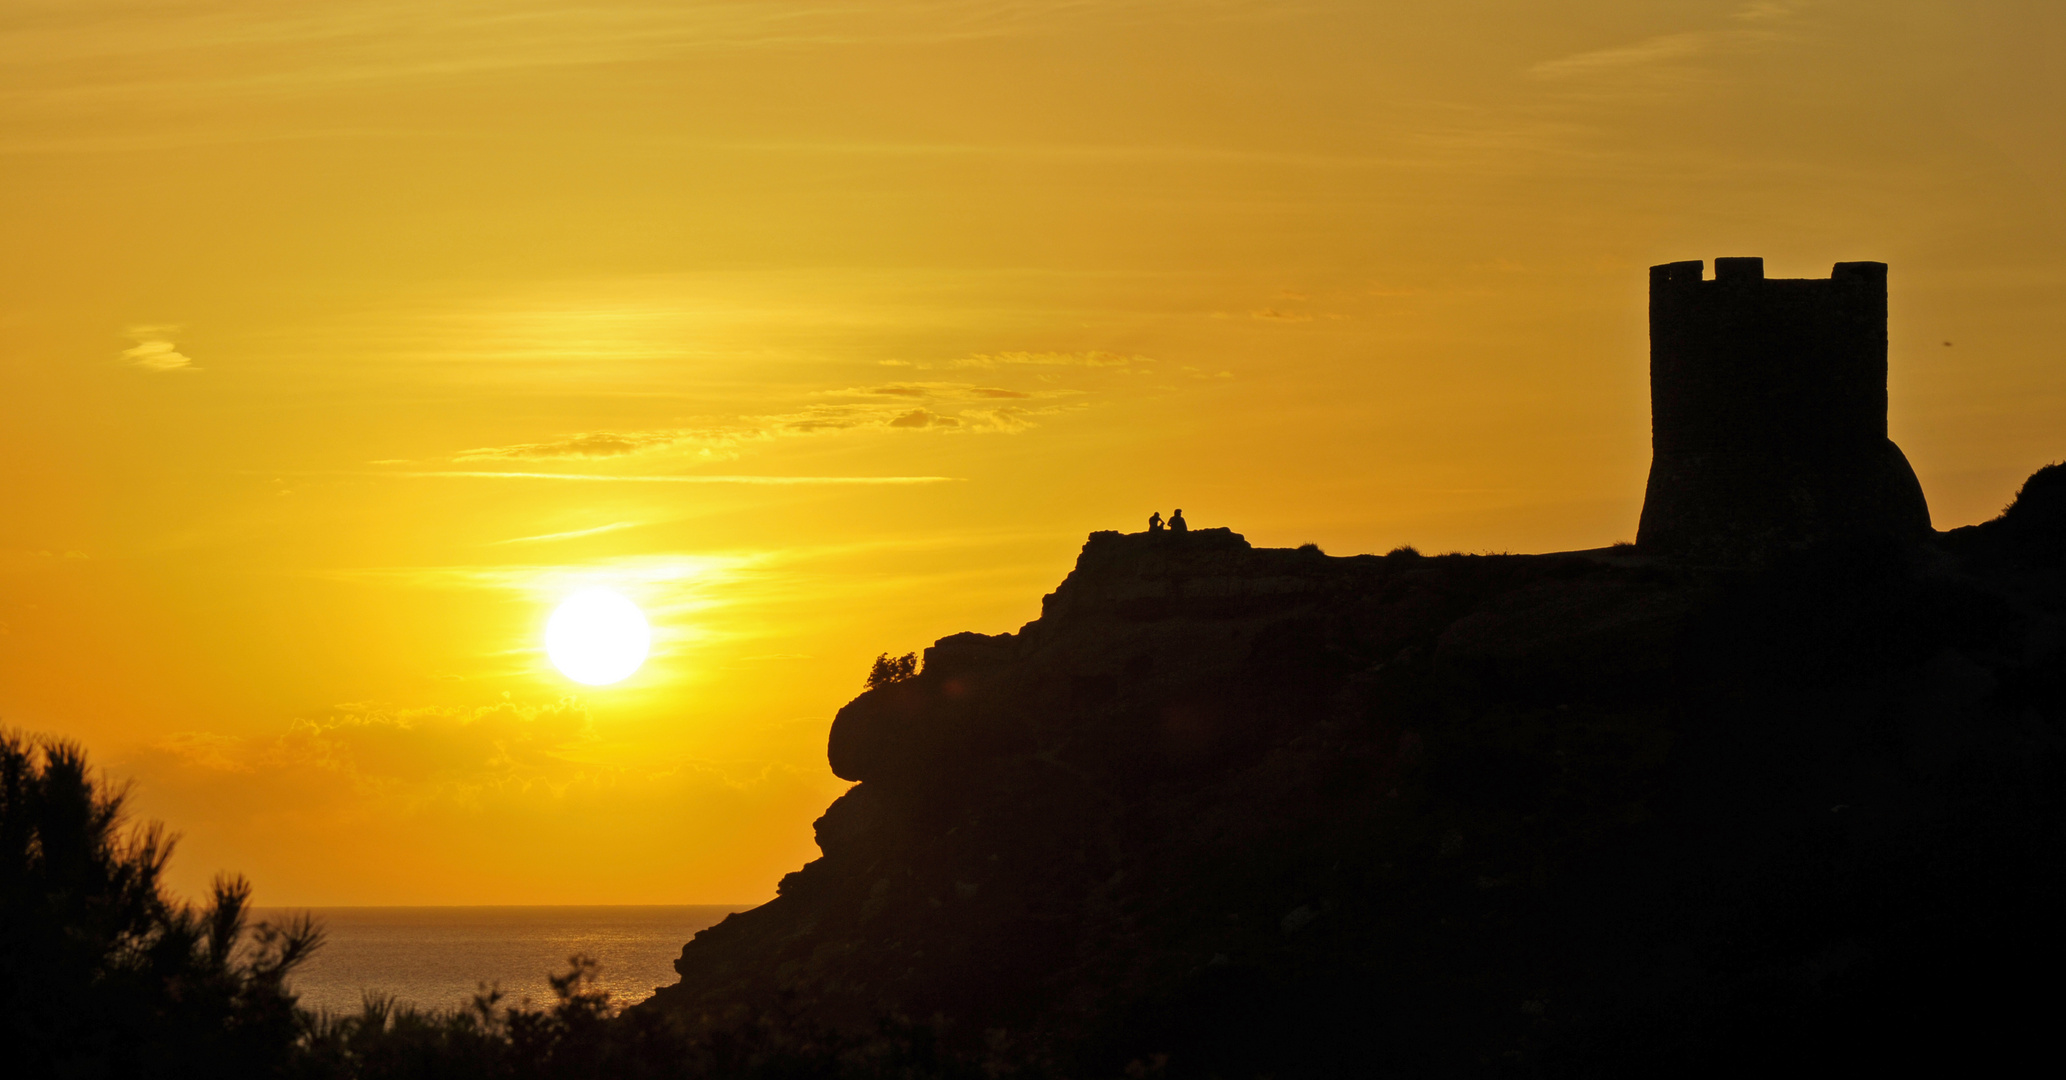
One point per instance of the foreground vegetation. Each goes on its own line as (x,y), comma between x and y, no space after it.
(581,1036)
(104,974)
(101,973)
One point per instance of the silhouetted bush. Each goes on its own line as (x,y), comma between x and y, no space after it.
(888,669)
(103,974)
(581,1036)
(2036,520)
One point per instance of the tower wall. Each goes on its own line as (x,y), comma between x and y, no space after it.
(1768,407)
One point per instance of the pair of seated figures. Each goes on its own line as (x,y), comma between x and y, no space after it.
(1176,522)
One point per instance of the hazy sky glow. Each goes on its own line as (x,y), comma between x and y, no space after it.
(341,341)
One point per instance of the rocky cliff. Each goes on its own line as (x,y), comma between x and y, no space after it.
(1233,811)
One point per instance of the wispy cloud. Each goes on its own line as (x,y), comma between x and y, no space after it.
(36,560)
(675,589)
(422,751)
(1092,359)
(697,601)
(155,351)
(662,479)
(1764,11)
(1665,48)
(938,391)
(113,50)
(546,538)
(922,418)
(951,407)
(587,444)
(1670,55)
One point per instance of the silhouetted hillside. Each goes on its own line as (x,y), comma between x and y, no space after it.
(1265,812)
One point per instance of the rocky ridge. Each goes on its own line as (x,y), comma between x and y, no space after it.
(1234,811)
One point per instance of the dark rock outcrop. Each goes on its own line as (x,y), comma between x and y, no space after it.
(1237,812)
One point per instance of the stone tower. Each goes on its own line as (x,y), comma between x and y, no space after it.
(1768,412)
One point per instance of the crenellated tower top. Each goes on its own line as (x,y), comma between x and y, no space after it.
(1768,406)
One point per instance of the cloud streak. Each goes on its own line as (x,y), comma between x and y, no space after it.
(547,538)
(155,351)
(885,407)
(483,474)
(1667,55)
(588,444)
(1665,48)
(923,418)
(937,390)
(1092,359)
(115,52)
(415,754)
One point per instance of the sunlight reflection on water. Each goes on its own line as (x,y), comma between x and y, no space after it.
(435,957)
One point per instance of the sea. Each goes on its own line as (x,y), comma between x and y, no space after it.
(439,957)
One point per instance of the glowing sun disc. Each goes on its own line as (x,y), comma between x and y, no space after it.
(597,637)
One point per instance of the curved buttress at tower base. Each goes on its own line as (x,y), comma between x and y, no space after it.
(1768,413)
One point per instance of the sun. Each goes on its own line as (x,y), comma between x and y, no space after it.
(597,637)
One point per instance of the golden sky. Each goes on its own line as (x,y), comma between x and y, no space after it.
(340,340)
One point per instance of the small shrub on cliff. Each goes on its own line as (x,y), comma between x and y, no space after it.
(888,669)
(102,973)
(2036,521)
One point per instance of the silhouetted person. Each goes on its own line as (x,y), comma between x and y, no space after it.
(1155,521)
(1177,523)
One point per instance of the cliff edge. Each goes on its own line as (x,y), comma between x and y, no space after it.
(1233,811)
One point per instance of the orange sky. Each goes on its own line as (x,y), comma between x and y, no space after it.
(339,340)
